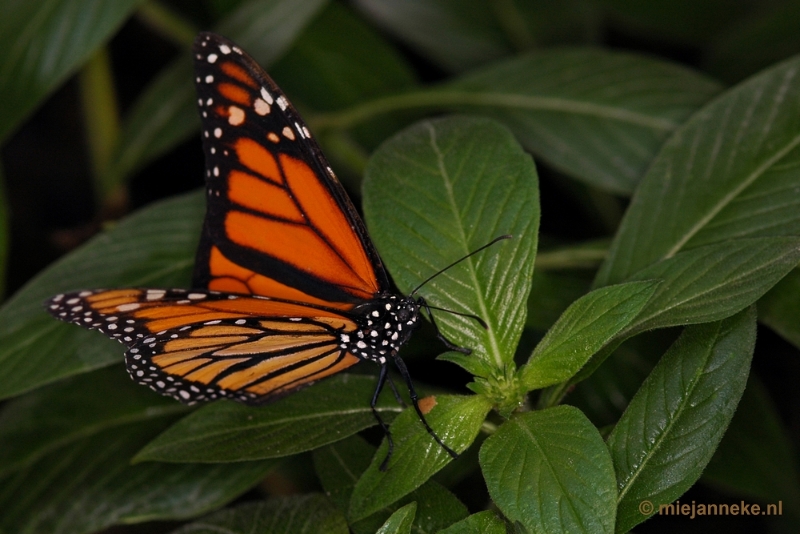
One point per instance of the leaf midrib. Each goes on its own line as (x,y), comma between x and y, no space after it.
(448,183)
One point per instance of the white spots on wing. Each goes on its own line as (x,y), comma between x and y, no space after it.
(300,130)
(84,293)
(155,294)
(196,296)
(261,107)
(306,132)
(209,101)
(213,150)
(212,58)
(235,115)
(266,96)
(128,307)
(209,78)
(361,345)
(282,103)
(288,133)
(216,171)
(272,136)
(225,49)
(240,321)
(217,132)
(184,394)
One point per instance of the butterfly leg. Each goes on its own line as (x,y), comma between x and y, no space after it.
(397,396)
(450,346)
(401,366)
(381,381)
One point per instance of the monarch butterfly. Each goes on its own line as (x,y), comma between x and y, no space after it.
(293,289)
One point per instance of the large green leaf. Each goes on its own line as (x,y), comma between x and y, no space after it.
(584,328)
(74,409)
(755,457)
(152,248)
(439,190)
(90,484)
(729,173)
(457,34)
(295,514)
(672,426)
(165,114)
(551,471)
(417,457)
(226,431)
(596,115)
(43,42)
(713,282)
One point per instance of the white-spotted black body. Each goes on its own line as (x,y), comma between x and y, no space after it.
(384,325)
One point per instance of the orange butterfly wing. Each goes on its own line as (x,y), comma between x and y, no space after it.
(198,345)
(275,209)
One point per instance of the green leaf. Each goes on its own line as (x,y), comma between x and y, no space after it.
(456,34)
(155,247)
(43,43)
(596,115)
(672,426)
(715,281)
(756,458)
(90,484)
(730,172)
(165,114)
(230,432)
(585,327)
(551,471)
(399,522)
(480,523)
(779,309)
(74,409)
(295,514)
(339,467)
(416,457)
(438,191)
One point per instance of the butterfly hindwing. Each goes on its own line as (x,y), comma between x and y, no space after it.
(275,208)
(199,345)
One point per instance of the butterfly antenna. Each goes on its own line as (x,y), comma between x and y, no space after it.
(469,315)
(440,271)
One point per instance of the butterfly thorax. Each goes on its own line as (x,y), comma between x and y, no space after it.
(384,325)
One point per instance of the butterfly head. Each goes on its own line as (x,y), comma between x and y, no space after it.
(384,325)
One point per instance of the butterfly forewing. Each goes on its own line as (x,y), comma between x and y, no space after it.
(272,197)
(200,345)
